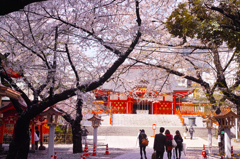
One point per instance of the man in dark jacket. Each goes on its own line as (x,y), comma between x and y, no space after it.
(159,143)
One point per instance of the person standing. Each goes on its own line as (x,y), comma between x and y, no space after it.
(159,143)
(138,136)
(84,134)
(36,139)
(191,131)
(185,130)
(179,141)
(36,142)
(141,136)
(169,139)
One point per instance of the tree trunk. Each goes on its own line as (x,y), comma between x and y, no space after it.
(221,144)
(19,147)
(76,137)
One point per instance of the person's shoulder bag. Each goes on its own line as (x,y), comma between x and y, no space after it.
(174,143)
(144,141)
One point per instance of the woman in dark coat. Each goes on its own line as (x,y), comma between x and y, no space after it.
(141,136)
(179,141)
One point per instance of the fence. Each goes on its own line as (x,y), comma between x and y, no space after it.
(58,139)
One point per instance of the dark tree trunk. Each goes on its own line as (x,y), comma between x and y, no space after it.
(77,138)
(76,128)
(221,144)
(8,6)
(19,147)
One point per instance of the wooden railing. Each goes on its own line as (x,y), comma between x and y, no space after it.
(203,114)
(180,116)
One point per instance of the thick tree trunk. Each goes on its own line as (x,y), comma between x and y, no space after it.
(221,144)
(76,128)
(14,5)
(77,137)
(19,147)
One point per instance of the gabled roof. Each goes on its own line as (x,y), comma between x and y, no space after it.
(143,76)
(6,91)
(227,112)
(10,106)
(94,117)
(51,111)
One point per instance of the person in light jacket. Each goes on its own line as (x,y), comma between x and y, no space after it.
(84,135)
(185,130)
(191,131)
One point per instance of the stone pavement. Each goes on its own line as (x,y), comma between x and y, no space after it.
(126,147)
(122,144)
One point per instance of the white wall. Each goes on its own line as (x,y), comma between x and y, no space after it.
(198,120)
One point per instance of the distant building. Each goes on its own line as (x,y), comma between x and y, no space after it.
(143,90)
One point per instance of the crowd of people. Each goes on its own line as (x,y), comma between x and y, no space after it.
(164,142)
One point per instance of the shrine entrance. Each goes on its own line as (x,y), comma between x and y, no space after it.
(141,107)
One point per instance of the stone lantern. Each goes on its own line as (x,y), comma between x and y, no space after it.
(227,120)
(52,118)
(209,125)
(96,121)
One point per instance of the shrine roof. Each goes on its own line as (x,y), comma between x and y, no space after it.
(95,117)
(51,111)
(6,91)
(145,77)
(8,105)
(227,112)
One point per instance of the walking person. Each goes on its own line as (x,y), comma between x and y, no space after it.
(169,139)
(191,131)
(159,144)
(84,134)
(142,136)
(179,141)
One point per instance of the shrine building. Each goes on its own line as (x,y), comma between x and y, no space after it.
(141,97)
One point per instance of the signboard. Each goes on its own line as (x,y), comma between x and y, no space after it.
(142,111)
(154,126)
(169,98)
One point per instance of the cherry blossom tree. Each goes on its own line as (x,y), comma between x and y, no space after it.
(47,43)
(14,5)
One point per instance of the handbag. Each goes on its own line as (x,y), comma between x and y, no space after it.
(145,142)
(154,156)
(174,144)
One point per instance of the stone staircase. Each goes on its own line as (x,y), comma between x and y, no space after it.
(129,125)
(138,120)
(145,120)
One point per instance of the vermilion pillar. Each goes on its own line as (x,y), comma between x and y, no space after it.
(129,107)
(155,108)
(41,138)
(32,139)
(1,133)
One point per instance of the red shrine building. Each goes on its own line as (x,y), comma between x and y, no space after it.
(141,97)
(126,103)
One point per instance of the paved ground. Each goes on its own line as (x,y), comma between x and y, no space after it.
(122,144)
(126,147)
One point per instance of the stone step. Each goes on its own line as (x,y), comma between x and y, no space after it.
(136,120)
(145,120)
(133,131)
